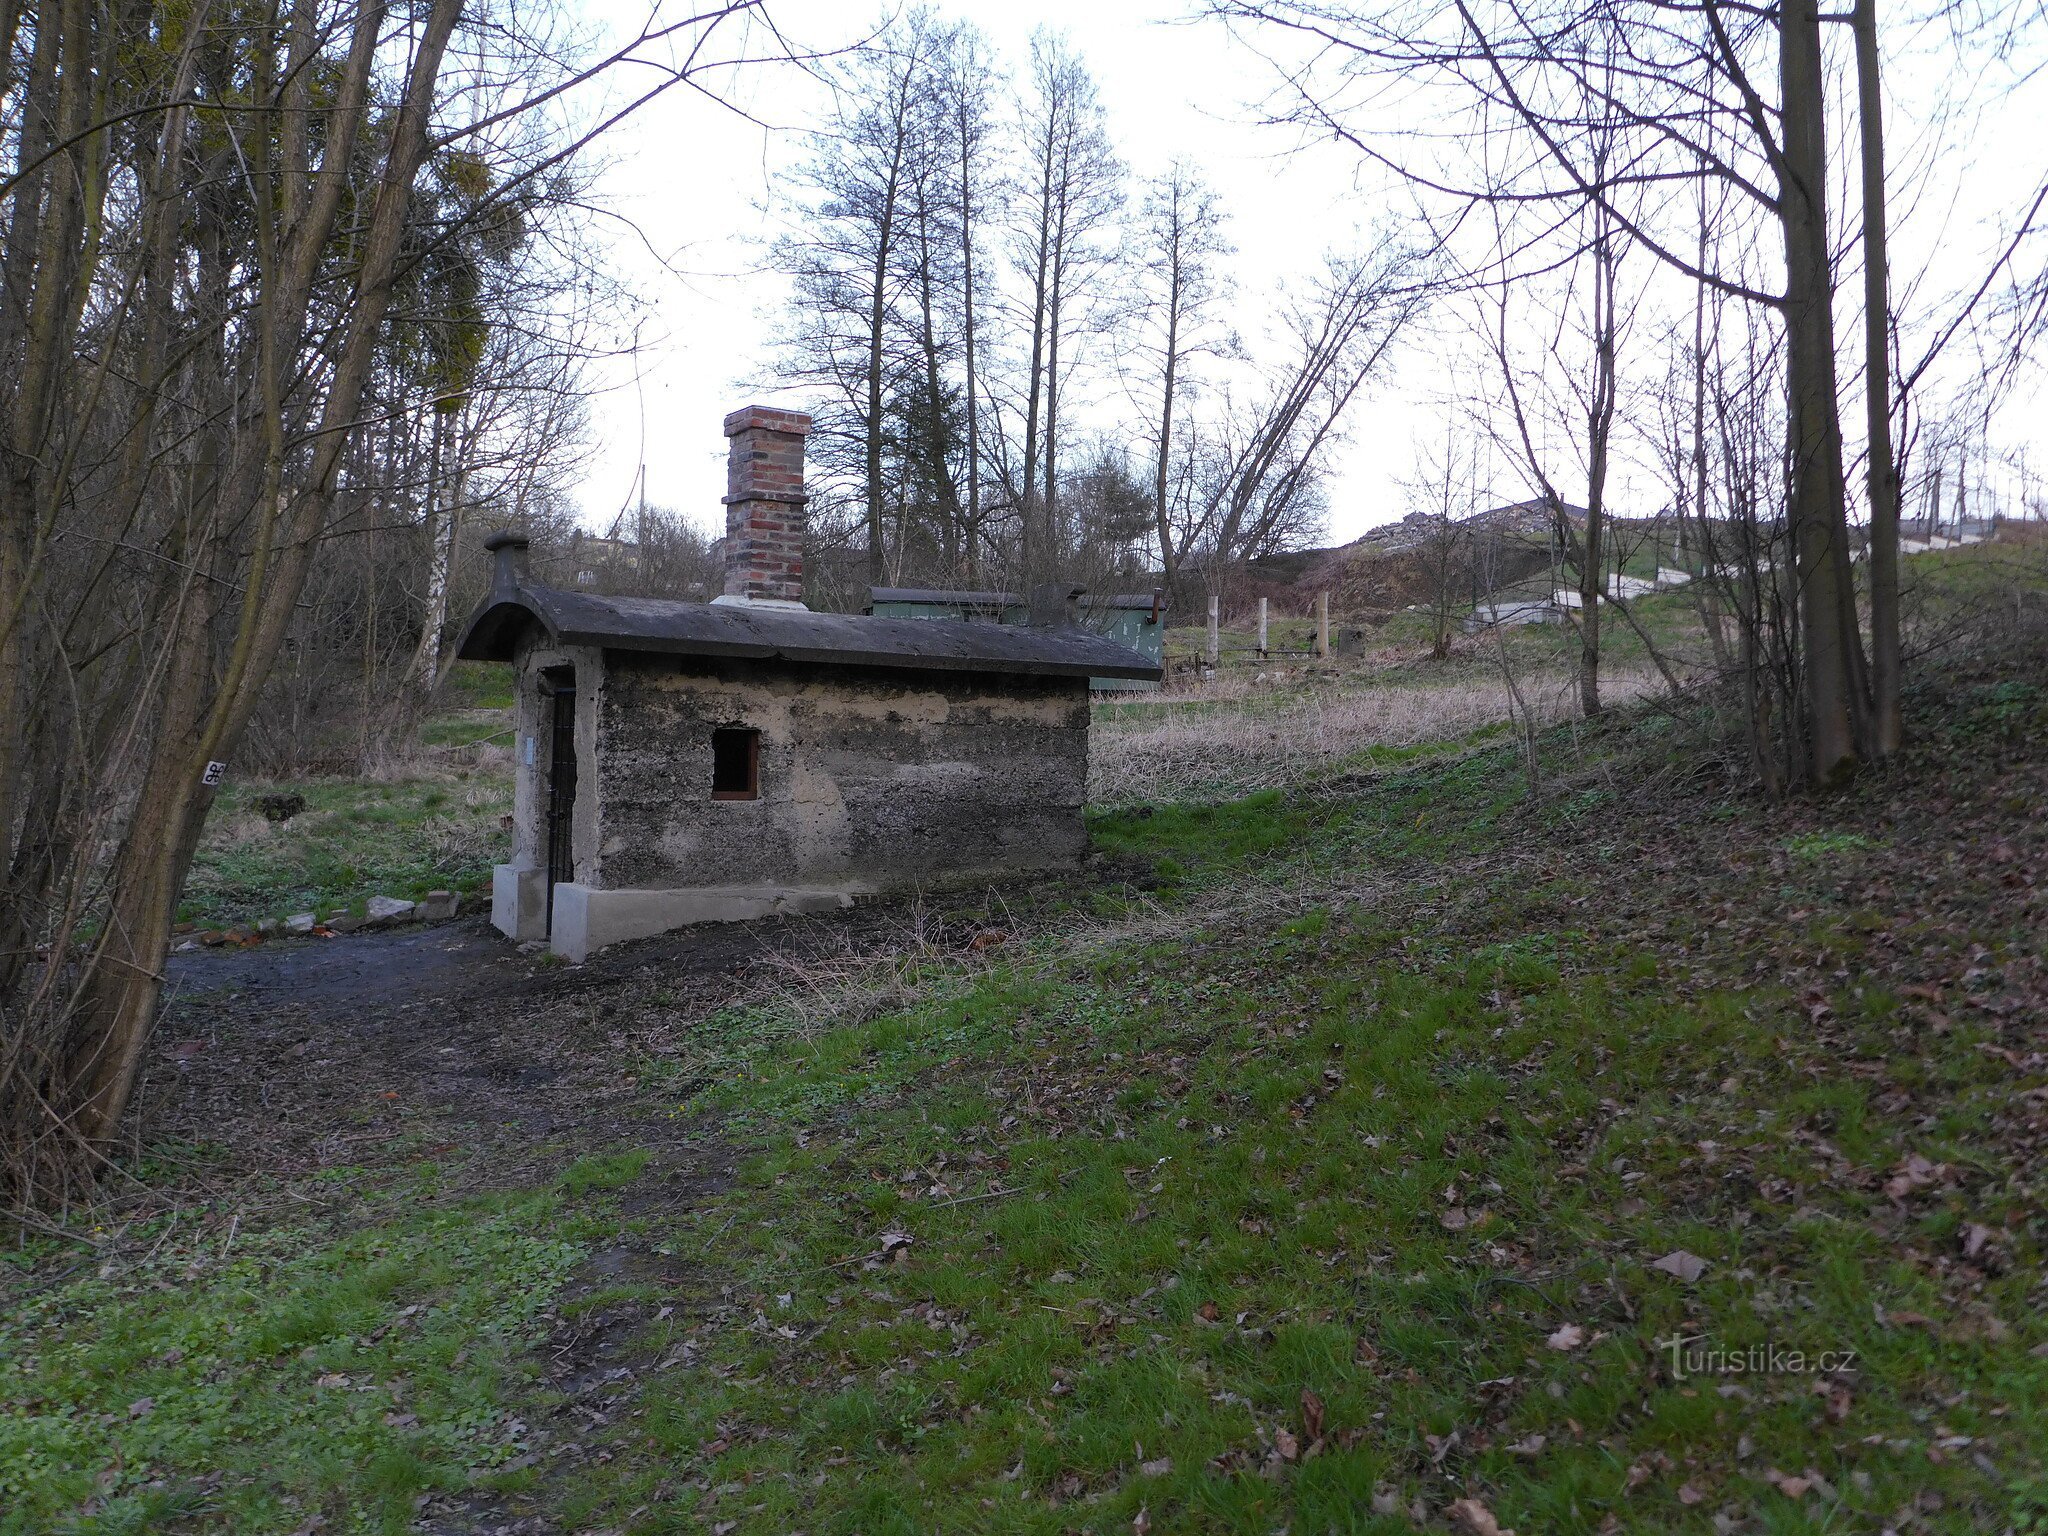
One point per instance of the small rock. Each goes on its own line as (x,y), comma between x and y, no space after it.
(300,923)
(438,907)
(268,926)
(379,910)
(213,938)
(341,922)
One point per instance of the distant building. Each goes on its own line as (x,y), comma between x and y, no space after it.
(1135,620)
(592,557)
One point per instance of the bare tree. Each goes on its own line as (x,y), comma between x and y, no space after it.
(847,257)
(1711,91)
(1268,446)
(966,124)
(1073,188)
(209,225)
(1182,241)
(1440,505)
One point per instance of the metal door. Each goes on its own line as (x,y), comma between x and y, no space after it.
(561,791)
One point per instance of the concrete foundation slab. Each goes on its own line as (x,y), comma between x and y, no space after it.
(587,919)
(519,901)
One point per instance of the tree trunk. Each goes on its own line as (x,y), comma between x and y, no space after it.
(973,529)
(1035,374)
(1049,494)
(1167,561)
(1706,583)
(873,427)
(424,670)
(1887,726)
(1831,648)
(1600,426)
(117,1005)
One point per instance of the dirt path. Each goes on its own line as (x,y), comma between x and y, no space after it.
(364,1054)
(291,1053)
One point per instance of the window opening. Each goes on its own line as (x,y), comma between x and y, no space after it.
(735,764)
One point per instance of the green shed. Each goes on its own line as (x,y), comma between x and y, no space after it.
(1132,619)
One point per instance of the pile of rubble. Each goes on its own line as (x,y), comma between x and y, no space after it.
(378,912)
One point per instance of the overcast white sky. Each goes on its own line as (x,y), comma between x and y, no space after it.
(696,181)
(693,184)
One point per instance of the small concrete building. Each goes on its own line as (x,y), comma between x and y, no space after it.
(684,762)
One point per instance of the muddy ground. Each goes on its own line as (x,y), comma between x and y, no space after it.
(372,1050)
(290,1052)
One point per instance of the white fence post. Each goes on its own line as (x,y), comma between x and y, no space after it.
(1323,624)
(1262,629)
(1215,649)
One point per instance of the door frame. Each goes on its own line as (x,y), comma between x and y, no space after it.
(558,793)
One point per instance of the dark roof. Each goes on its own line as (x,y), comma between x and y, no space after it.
(762,633)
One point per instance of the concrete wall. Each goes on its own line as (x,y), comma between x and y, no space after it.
(869,779)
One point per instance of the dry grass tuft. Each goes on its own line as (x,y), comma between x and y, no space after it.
(1200,746)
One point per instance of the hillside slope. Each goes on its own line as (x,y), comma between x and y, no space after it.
(1407,1150)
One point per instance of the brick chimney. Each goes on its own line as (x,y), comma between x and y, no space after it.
(764,507)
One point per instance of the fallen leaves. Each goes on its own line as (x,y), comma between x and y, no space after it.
(1311,1417)
(1475,1519)
(1567,1338)
(1684,1266)
(1913,1173)
(1792,1487)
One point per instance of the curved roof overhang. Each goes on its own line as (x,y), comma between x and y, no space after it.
(762,633)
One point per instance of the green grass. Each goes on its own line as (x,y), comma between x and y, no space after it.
(1174,1202)
(478,685)
(250,1380)
(1395,1093)
(360,838)
(354,840)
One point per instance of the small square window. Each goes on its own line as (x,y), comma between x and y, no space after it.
(735,764)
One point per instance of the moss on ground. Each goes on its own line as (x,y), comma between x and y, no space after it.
(354,839)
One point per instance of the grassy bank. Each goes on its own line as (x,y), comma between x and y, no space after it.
(290,1376)
(1388,1184)
(1404,1149)
(354,839)
(430,822)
